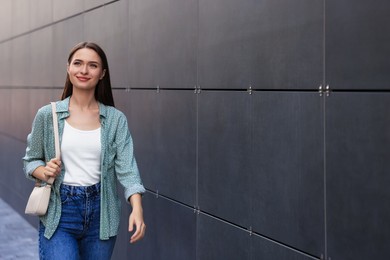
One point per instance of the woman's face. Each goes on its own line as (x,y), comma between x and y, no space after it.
(85,69)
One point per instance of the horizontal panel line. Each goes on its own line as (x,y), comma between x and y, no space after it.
(29,87)
(56,22)
(250,232)
(213,89)
(13,137)
(170,199)
(362,90)
(254,233)
(223,89)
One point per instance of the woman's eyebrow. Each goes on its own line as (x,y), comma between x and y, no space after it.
(79,60)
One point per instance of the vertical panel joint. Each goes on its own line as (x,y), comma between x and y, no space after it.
(327,90)
(320,90)
(250,89)
(197,89)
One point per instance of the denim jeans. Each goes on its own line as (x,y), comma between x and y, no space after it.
(77,235)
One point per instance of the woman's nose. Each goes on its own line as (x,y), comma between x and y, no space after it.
(84,69)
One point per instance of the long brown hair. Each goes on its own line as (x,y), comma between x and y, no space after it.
(103,92)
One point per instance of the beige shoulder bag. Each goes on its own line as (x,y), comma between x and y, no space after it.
(39,198)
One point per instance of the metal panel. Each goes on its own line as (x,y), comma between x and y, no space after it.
(116,42)
(14,186)
(41,13)
(266,44)
(224,155)
(219,240)
(94,26)
(22,115)
(63,11)
(264,249)
(5,108)
(288,169)
(6,64)
(141,109)
(358,195)
(357,52)
(6,19)
(37,99)
(163,126)
(66,34)
(171,231)
(177,146)
(163,40)
(21,61)
(89,4)
(18,107)
(41,58)
(20,16)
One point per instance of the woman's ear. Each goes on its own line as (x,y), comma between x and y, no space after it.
(103,74)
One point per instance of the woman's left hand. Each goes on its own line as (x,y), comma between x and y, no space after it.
(136,219)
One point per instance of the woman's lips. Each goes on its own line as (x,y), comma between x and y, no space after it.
(82,78)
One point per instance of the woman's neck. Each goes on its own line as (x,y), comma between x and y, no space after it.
(83,101)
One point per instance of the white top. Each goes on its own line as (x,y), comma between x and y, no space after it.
(80,153)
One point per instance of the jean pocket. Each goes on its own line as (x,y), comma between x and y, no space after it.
(64,198)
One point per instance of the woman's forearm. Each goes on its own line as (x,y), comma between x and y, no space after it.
(135,201)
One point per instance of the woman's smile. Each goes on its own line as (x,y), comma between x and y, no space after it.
(83,79)
(85,69)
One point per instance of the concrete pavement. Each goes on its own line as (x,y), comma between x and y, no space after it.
(18,239)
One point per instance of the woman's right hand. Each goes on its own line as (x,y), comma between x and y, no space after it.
(52,168)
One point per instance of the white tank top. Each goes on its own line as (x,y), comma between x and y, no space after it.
(80,153)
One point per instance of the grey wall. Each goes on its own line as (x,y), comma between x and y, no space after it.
(261,128)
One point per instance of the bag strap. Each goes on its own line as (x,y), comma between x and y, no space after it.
(56,136)
(55,127)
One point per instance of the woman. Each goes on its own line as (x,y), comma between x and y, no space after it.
(96,150)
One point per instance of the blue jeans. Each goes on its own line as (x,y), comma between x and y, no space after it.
(77,235)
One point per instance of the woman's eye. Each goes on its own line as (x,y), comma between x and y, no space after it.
(76,63)
(93,66)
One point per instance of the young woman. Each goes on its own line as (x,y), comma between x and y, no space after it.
(83,216)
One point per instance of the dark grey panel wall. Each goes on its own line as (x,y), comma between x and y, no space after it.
(224,155)
(5,108)
(21,58)
(41,54)
(20,17)
(89,4)
(144,127)
(18,107)
(266,44)
(171,231)
(358,179)
(116,42)
(216,240)
(65,35)
(357,44)
(93,26)
(279,172)
(163,40)
(166,148)
(264,249)
(288,169)
(40,13)
(6,18)
(6,64)
(63,11)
